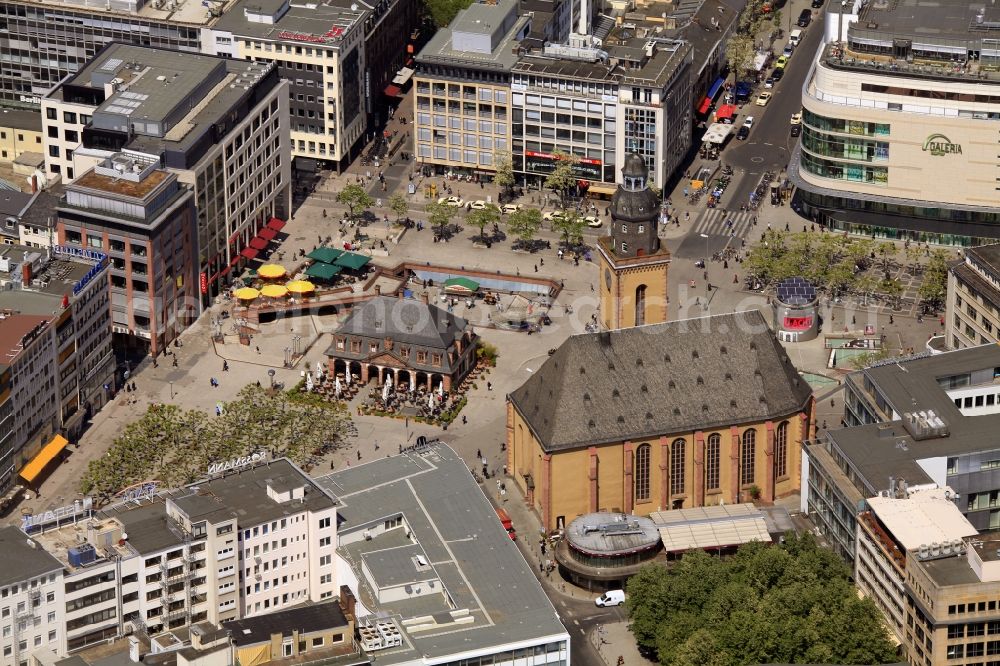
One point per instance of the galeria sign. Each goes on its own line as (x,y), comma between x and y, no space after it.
(236,463)
(939,144)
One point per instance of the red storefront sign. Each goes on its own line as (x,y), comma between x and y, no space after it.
(797,323)
(334,32)
(204,283)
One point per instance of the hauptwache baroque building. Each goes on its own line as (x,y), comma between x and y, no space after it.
(664,416)
(901,122)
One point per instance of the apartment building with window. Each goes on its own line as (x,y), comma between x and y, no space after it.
(914,422)
(143,218)
(972,311)
(220,125)
(632,94)
(56,354)
(236,544)
(20,132)
(319,49)
(461,113)
(31,600)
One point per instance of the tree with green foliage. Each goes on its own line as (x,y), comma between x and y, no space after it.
(862,361)
(569,227)
(784,603)
(355,198)
(934,287)
(439,215)
(740,53)
(893,290)
(444,11)
(524,224)
(866,285)
(562,179)
(504,177)
(886,250)
(913,254)
(398,205)
(482,218)
(175,446)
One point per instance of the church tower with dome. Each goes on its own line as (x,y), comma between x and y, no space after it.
(633,264)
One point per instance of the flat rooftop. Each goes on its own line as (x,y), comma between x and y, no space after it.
(190,12)
(170,98)
(490,595)
(478,19)
(21,560)
(878,451)
(303,619)
(926,516)
(13,328)
(941,19)
(120,186)
(316,21)
(242,494)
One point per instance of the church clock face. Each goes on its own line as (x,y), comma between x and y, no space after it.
(607,278)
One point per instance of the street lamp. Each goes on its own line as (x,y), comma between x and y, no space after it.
(171,390)
(705,236)
(270,374)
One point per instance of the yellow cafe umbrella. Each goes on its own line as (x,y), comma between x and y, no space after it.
(273,291)
(247,294)
(271,271)
(300,286)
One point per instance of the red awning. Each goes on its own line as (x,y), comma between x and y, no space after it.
(392,90)
(706,104)
(235,260)
(726,111)
(267,234)
(276,224)
(258,243)
(225,271)
(249,253)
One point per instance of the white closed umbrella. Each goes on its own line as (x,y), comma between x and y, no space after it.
(385,392)
(319,368)
(336,387)
(430,401)
(413,382)
(309,381)
(347,376)
(441,388)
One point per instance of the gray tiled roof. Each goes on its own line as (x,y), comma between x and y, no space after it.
(21,562)
(406,321)
(658,379)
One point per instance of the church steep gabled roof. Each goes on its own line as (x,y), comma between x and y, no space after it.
(647,381)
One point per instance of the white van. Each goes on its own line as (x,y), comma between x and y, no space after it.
(611,598)
(794,37)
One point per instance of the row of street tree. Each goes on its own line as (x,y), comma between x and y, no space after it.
(841,264)
(175,446)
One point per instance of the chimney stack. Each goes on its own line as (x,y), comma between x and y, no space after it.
(378,290)
(347,602)
(34,183)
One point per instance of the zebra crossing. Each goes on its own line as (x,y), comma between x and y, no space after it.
(712,221)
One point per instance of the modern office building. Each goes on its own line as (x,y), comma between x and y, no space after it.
(674,415)
(598,104)
(45,42)
(911,422)
(438,579)
(221,125)
(899,123)
(56,363)
(239,543)
(972,311)
(143,219)
(461,114)
(20,132)
(320,50)
(894,526)
(32,615)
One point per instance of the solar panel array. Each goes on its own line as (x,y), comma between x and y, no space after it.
(796,291)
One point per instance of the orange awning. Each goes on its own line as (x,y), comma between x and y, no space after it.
(44,457)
